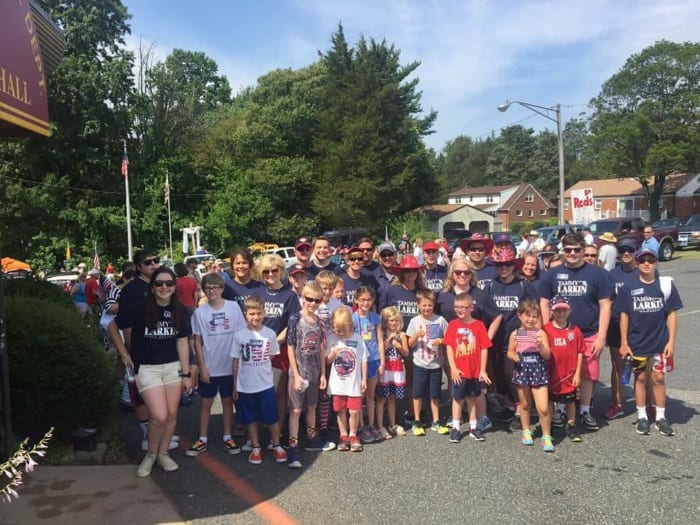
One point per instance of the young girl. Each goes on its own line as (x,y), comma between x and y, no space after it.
(392,383)
(528,348)
(348,380)
(368,327)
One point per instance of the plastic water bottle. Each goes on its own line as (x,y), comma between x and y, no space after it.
(626,374)
(131,379)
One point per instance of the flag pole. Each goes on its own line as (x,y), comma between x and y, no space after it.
(125,172)
(170,223)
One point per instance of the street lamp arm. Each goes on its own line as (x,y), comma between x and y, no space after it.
(536,109)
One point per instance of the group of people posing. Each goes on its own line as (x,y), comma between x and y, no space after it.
(317,339)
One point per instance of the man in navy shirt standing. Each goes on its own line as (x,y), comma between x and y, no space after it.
(589,291)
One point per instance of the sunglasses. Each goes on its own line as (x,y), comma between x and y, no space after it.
(208,289)
(462,272)
(590,255)
(355,259)
(151,262)
(479,249)
(303,249)
(384,255)
(573,250)
(159,284)
(312,300)
(272,270)
(504,264)
(646,260)
(430,252)
(626,250)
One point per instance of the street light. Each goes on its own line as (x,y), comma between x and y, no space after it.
(544,111)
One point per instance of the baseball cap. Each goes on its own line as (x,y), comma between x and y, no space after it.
(94,271)
(502,237)
(354,248)
(430,246)
(301,242)
(560,302)
(387,246)
(627,243)
(642,253)
(295,270)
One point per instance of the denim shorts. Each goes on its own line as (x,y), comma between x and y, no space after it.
(427,381)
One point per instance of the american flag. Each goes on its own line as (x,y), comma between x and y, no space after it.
(96,261)
(125,166)
(434,331)
(525,340)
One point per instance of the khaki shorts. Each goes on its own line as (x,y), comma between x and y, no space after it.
(151,376)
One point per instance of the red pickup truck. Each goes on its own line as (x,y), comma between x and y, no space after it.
(633,228)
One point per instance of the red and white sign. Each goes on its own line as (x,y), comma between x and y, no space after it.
(582,204)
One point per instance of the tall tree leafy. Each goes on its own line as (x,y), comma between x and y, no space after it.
(646,119)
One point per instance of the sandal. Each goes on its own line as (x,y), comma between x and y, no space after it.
(526,438)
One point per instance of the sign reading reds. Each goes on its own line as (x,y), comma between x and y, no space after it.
(583,206)
(23,100)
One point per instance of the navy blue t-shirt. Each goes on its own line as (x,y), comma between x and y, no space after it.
(133,293)
(486,274)
(619,278)
(279,305)
(238,292)
(507,298)
(351,286)
(485,309)
(647,310)
(584,287)
(373,269)
(434,278)
(313,270)
(401,298)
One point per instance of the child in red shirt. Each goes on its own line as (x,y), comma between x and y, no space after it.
(467,351)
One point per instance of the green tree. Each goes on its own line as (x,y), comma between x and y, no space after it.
(463,162)
(646,120)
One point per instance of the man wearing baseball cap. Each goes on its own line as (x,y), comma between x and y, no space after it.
(434,274)
(302,251)
(387,261)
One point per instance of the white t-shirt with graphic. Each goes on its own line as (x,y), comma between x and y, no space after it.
(217,329)
(254,349)
(346,369)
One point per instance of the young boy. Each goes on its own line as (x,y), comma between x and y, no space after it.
(306,345)
(297,279)
(214,326)
(648,334)
(566,345)
(253,384)
(467,352)
(425,333)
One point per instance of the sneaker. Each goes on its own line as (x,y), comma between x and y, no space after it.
(166,462)
(587,421)
(440,429)
(196,449)
(327,446)
(231,447)
(572,432)
(146,466)
(418,430)
(455,435)
(515,424)
(293,457)
(398,430)
(663,426)
(643,427)
(526,438)
(247,446)
(558,419)
(384,434)
(255,456)
(613,412)
(344,444)
(314,444)
(483,423)
(366,435)
(547,444)
(279,454)
(477,434)
(355,445)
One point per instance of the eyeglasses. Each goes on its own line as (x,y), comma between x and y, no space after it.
(151,262)
(271,270)
(626,250)
(477,249)
(573,250)
(355,259)
(366,250)
(208,289)
(462,308)
(313,300)
(384,255)
(461,272)
(646,260)
(159,284)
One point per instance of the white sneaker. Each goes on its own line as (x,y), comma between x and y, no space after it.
(166,462)
(144,469)
(247,446)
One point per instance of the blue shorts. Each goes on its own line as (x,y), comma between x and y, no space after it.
(260,406)
(427,381)
(471,388)
(373,368)
(221,384)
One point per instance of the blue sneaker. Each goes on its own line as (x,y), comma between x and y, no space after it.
(293,457)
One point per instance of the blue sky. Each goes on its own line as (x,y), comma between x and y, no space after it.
(473,54)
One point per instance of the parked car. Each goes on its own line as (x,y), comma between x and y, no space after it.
(514,237)
(633,228)
(689,233)
(199,259)
(552,234)
(673,221)
(287,253)
(65,280)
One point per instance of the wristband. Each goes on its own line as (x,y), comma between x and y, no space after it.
(188,374)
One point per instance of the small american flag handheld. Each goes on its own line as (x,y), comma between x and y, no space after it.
(434,331)
(525,340)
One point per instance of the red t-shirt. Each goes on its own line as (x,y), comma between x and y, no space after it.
(565,344)
(186,287)
(91,287)
(467,340)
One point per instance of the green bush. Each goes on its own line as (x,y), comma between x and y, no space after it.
(59,373)
(38,289)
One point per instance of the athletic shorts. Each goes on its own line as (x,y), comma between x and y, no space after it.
(612,338)
(221,384)
(349,402)
(590,368)
(151,376)
(259,406)
(659,363)
(373,368)
(569,397)
(307,398)
(468,388)
(427,381)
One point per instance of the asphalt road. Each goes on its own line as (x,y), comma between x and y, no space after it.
(613,476)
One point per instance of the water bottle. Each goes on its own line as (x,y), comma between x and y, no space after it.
(131,380)
(626,374)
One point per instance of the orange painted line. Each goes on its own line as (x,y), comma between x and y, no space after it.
(267,510)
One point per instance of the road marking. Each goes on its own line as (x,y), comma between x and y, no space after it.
(268,511)
(688,313)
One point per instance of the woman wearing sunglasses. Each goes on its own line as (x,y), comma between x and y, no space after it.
(353,277)
(159,354)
